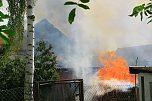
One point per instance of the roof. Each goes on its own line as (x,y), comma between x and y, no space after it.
(143,52)
(140,69)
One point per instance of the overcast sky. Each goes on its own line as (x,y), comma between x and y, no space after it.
(106,25)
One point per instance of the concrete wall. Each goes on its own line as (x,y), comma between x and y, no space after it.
(147,80)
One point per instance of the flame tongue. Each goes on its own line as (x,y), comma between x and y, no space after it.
(115,67)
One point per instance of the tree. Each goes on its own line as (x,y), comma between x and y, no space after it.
(16,9)
(12,73)
(143,9)
(45,63)
(6,33)
(29,70)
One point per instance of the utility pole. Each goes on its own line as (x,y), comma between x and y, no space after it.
(135,81)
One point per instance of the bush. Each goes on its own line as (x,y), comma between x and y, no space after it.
(45,63)
(12,72)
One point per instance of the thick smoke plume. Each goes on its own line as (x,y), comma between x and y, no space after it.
(106,26)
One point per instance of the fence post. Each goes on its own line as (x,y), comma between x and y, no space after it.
(81,90)
(36,91)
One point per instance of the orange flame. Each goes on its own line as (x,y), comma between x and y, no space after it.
(115,67)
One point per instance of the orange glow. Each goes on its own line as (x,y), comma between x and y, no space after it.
(115,67)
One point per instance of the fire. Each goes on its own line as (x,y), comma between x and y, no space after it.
(114,67)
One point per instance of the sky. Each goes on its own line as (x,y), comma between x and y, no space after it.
(106,24)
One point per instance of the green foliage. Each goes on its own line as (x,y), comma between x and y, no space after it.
(83,6)
(17,10)
(45,63)
(1,4)
(72,13)
(12,71)
(5,32)
(84,1)
(70,3)
(144,9)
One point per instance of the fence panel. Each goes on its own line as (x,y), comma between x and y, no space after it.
(70,90)
(16,94)
(112,93)
(64,90)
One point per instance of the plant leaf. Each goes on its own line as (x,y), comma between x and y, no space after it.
(145,13)
(84,1)
(1,20)
(141,15)
(83,6)
(72,15)
(1,14)
(3,27)
(149,12)
(137,10)
(70,3)
(149,21)
(6,16)
(4,38)
(1,3)
(149,17)
(9,32)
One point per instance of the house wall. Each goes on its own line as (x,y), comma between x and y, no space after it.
(147,80)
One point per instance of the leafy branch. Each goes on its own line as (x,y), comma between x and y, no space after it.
(144,9)
(80,4)
(5,31)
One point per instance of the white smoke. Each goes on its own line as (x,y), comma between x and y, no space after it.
(106,26)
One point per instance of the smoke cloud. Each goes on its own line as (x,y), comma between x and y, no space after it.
(106,26)
(106,23)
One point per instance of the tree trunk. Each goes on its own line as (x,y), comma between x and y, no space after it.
(29,70)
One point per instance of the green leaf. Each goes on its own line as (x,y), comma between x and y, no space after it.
(141,15)
(145,13)
(83,6)
(148,7)
(70,3)
(149,17)
(9,32)
(1,20)
(6,16)
(72,15)
(137,10)
(1,3)
(149,21)
(4,38)
(1,14)
(149,12)
(84,1)
(3,27)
